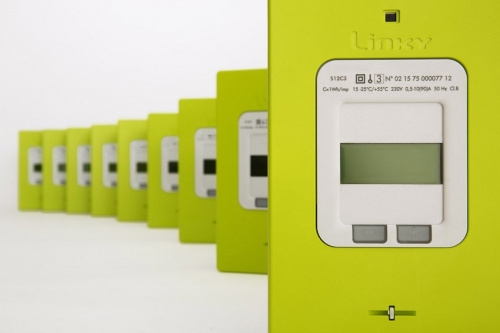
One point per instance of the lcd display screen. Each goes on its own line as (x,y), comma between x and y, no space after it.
(142,167)
(86,167)
(209,167)
(391,163)
(61,167)
(173,167)
(37,167)
(112,167)
(258,165)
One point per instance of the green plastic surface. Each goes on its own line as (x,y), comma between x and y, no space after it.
(197,222)
(53,196)
(390,163)
(131,203)
(29,196)
(102,198)
(242,239)
(317,288)
(77,197)
(163,207)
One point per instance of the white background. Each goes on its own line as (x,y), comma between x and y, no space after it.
(82,62)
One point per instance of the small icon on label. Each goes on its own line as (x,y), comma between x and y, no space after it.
(360,78)
(379,78)
(370,79)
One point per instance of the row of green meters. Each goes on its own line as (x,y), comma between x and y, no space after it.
(149,170)
(202,170)
(383,163)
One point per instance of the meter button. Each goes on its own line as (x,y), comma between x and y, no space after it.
(414,234)
(369,234)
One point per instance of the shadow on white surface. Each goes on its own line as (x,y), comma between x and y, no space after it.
(61,273)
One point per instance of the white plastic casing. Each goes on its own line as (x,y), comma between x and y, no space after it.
(170,164)
(205,159)
(392,101)
(34,166)
(59,165)
(253,150)
(109,167)
(83,165)
(138,164)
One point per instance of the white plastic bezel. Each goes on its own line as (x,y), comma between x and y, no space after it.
(252,140)
(82,158)
(205,148)
(138,154)
(169,153)
(34,158)
(58,157)
(109,156)
(419,81)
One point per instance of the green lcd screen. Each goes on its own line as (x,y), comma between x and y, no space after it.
(391,163)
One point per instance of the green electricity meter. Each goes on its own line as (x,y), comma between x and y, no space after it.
(132,171)
(54,170)
(197,170)
(242,182)
(79,168)
(163,175)
(383,168)
(103,170)
(30,170)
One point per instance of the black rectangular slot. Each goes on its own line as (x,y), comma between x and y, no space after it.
(173,167)
(142,167)
(209,167)
(258,165)
(112,167)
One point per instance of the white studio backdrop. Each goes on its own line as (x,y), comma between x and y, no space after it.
(76,63)
(83,62)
